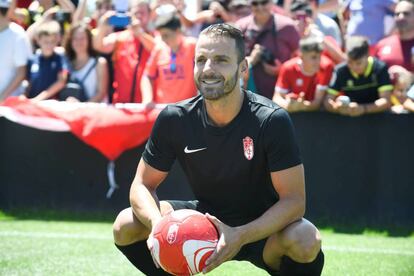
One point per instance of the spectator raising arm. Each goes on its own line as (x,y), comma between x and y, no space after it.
(147,90)
(66,5)
(79,13)
(104,40)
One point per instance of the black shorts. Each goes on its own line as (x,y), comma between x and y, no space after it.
(252,252)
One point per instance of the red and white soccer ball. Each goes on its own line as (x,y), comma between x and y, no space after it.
(183,241)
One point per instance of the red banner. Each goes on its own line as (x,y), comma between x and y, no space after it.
(109,129)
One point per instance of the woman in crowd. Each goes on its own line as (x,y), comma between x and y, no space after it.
(86,65)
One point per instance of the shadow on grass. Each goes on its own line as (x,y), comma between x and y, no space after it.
(365,226)
(337,225)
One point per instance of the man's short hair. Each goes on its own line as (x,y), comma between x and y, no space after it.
(356,47)
(226,30)
(301,5)
(134,3)
(169,21)
(48,28)
(311,44)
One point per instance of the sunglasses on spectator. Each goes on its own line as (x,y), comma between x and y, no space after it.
(259,3)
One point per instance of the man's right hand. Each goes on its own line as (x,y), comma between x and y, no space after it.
(150,245)
(255,55)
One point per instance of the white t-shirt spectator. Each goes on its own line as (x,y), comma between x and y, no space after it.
(15,51)
(329,27)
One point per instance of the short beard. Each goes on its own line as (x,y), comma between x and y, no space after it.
(219,93)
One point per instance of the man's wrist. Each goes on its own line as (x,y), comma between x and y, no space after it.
(245,235)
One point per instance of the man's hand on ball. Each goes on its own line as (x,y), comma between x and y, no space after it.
(150,245)
(228,246)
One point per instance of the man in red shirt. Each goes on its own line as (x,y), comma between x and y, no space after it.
(130,51)
(303,80)
(398,49)
(168,75)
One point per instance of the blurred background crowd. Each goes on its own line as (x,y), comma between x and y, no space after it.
(350,57)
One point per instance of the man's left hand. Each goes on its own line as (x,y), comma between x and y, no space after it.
(229,244)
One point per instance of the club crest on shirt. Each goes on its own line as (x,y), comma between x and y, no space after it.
(248,148)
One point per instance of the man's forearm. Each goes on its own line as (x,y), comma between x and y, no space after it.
(147,40)
(277,217)
(379,105)
(409,105)
(15,83)
(145,204)
(51,91)
(146,90)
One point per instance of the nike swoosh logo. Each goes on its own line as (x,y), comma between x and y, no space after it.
(186,150)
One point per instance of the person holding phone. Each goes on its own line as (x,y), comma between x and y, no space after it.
(130,50)
(270,40)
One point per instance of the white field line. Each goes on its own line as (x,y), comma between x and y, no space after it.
(57,235)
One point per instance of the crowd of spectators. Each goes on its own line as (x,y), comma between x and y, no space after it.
(350,57)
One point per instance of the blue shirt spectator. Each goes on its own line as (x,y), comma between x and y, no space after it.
(43,72)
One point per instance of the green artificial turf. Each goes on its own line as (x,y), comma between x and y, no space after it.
(61,247)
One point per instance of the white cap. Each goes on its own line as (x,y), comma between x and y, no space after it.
(165,9)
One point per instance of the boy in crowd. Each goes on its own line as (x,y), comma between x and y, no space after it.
(168,74)
(363,79)
(48,69)
(303,80)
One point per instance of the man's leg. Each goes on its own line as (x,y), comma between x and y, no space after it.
(130,237)
(296,250)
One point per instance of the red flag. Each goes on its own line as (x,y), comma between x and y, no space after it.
(109,129)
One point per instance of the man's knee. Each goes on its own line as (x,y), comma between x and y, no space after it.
(304,242)
(127,229)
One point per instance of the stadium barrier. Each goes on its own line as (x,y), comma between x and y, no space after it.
(357,169)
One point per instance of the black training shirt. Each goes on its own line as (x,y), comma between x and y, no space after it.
(228,167)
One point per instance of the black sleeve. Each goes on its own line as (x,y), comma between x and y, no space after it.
(384,77)
(280,142)
(159,151)
(336,82)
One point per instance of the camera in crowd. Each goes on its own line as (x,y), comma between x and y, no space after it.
(267,56)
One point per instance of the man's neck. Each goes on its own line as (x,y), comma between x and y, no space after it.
(221,112)
(176,46)
(262,19)
(408,35)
